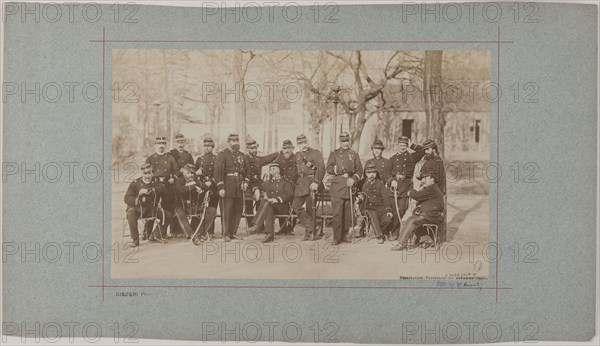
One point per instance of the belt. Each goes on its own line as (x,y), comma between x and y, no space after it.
(306,175)
(234,174)
(345,175)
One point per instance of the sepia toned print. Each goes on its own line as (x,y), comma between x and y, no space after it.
(248,164)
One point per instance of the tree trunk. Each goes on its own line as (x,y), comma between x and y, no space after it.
(238,77)
(434,104)
(432,78)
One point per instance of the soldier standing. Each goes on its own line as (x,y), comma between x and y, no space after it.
(165,171)
(289,172)
(142,199)
(311,171)
(181,156)
(377,206)
(346,168)
(230,175)
(382,165)
(277,194)
(255,164)
(205,168)
(432,162)
(403,167)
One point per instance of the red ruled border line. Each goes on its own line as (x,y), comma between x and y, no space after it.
(103,147)
(497,288)
(497,163)
(296,41)
(306,287)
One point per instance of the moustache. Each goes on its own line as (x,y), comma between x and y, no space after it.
(235,147)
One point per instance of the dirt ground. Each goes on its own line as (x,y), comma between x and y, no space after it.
(463,256)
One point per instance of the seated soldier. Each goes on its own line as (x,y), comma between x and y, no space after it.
(191,192)
(142,199)
(277,195)
(430,209)
(377,204)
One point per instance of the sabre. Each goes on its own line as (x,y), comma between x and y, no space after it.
(313,196)
(351,212)
(395,189)
(205,205)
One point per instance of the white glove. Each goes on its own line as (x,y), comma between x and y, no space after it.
(222,193)
(350,182)
(272,200)
(314,186)
(394,184)
(256,194)
(390,215)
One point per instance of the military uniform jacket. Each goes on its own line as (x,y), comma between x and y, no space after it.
(404,164)
(147,201)
(164,166)
(280,189)
(376,195)
(310,167)
(430,199)
(188,195)
(289,170)
(182,159)
(255,164)
(383,166)
(230,171)
(436,164)
(343,164)
(207,164)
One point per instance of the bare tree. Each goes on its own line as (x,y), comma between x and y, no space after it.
(368,83)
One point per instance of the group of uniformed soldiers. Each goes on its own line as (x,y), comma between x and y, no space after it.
(174,191)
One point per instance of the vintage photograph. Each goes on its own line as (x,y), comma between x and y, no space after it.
(247,164)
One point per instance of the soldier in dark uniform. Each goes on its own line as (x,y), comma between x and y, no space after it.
(377,205)
(432,162)
(346,168)
(181,156)
(190,190)
(274,196)
(311,171)
(255,164)
(165,171)
(289,172)
(142,199)
(430,208)
(382,165)
(230,175)
(403,167)
(205,168)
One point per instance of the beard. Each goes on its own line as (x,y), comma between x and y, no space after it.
(235,147)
